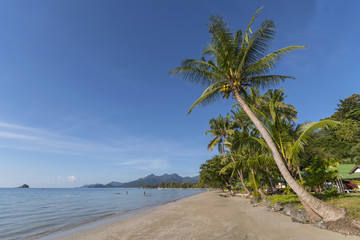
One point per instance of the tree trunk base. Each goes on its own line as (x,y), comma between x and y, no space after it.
(262,194)
(313,215)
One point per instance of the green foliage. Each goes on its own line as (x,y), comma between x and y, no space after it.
(349,131)
(320,170)
(340,142)
(356,182)
(210,173)
(349,108)
(174,185)
(332,193)
(349,115)
(220,128)
(284,199)
(287,190)
(328,146)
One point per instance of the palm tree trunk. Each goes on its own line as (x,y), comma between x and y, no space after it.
(242,182)
(273,189)
(299,173)
(256,188)
(263,195)
(310,212)
(326,211)
(240,173)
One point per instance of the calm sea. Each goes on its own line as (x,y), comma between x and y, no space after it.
(31,213)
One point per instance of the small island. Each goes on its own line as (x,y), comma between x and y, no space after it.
(24,186)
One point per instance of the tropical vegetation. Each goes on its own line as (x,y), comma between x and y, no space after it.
(259,142)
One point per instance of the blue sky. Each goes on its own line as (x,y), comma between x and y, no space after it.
(85,94)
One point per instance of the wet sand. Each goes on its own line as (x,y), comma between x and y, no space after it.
(206,216)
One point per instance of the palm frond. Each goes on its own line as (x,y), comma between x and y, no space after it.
(259,44)
(260,141)
(213,143)
(248,29)
(197,71)
(228,166)
(268,62)
(221,41)
(210,95)
(264,81)
(237,39)
(306,135)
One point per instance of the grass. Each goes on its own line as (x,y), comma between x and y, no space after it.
(284,199)
(350,201)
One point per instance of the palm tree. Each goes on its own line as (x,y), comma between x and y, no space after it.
(237,61)
(278,118)
(221,128)
(250,157)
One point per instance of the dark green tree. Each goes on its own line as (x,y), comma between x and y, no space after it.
(320,170)
(210,173)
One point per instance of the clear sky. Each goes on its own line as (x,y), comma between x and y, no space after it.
(85,95)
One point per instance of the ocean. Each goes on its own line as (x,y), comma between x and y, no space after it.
(30,213)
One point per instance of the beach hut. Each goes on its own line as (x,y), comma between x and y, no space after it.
(349,177)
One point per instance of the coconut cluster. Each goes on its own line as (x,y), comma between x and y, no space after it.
(226,90)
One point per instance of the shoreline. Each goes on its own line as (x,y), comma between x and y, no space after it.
(205,215)
(83,226)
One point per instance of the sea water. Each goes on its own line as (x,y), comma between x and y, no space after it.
(27,213)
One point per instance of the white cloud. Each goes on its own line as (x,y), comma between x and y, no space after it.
(10,135)
(71,179)
(40,140)
(13,126)
(144,153)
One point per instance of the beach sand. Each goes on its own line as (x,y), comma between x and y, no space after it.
(206,216)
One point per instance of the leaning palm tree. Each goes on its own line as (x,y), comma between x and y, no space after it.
(237,61)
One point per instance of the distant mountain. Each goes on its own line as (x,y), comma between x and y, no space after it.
(96,185)
(148,180)
(114,184)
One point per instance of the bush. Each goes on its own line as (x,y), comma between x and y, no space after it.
(332,192)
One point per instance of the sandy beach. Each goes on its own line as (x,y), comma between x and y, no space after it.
(206,216)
